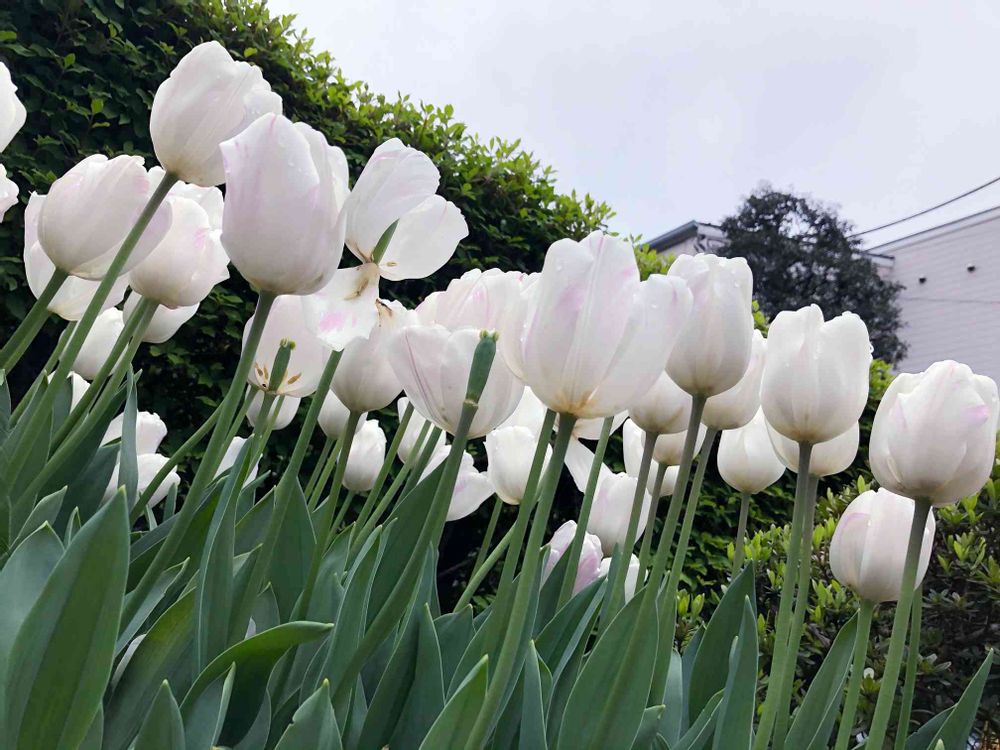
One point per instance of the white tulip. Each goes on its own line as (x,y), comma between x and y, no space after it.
(478,299)
(8,192)
(935,433)
(98,344)
(230,456)
(208,99)
(827,458)
(737,406)
(589,337)
(664,409)
(433,364)
(408,443)
(868,548)
(164,323)
(188,262)
(283,223)
(365,379)
(747,461)
(590,429)
(333,417)
(209,198)
(510,451)
(12,111)
(530,413)
(667,449)
(308,356)
(149,431)
(631,574)
(89,211)
(588,569)
(815,382)
(365,458)
(612,509)
(79,387)
(149,465)
(286,411)
(472,489)
(713,348)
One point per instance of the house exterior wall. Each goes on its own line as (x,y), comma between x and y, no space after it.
(948,310)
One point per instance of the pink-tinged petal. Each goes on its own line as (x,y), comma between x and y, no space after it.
(345,308)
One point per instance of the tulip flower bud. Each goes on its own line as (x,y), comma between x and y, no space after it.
(588,335)
(935,433)
(8,192)
(365,379)
(472,489)
(830,457)
(333,417)
(89,211)
(408,443)
(667,449)
(589,568)
(308,355)
(99,343)
(149,431)
(815,382)
(433,364)
(208,99)
(149,465)
(289,405)
(631,575)
(12,112)
(664,409)
(530,413)
(366,457)
(510,451)
(282,224)
(868,548)
(164,323)
(478,299)
(747,460)
(612,509)
(187,263)
(713,346)
(737,406)
(230,456)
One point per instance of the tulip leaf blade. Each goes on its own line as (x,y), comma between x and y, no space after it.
(534,702)
(955,730)
(292,553)
(453,725)
(314,724)
(701,730)
(205,715)
(734,725)
(163,728)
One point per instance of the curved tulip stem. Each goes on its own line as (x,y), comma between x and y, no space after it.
(383,472)
(506,664)
(910,681)
(32,323)
(348,499)
(329,464)
(327,525)
(491,528)
(619,563)
(240,415)
(646,548)
(802,592)
(479,573)
(783,622)
(739,548)
(317,471)
(46,369)
(423,457)
(865,611)
(900,622)
(576,546)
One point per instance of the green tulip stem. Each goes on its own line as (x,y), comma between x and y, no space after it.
(506,666)
(241,414)
(619,563)
(329,463)
(209,463)
(32,323)
(798,618)
(865,612)
(426,451)
(327,525)
(900,622)
(348,499)
(317,471)
(912,659)
(491,528)
(383,472)
(576,546)
(646,548)
(46,369)
(739,546)
(480,572)
(784,618)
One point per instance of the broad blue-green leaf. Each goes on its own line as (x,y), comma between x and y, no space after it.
(610,666)
(734,728)
(46,511)
(87,487)
(818,712)
(256,737)
(128,464)
(205,714)
(454,631)
(533,703)
(699,734)
(921,739)
(162,728)
(647,727)
(454,724)
(957,727)
(95,735)
(560,637)
(62,655)
(254,659)
(673,721)
(314,725)
(292,553)
(167,582)
(711,662)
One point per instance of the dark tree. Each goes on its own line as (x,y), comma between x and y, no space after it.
(801,253)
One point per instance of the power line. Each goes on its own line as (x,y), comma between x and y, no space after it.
(927,210)
(951,300)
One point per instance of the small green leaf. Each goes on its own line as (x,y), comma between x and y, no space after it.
(454,724)
(314,724)
(163,728)
(204,715)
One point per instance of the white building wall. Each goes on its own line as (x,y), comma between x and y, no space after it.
(951,300)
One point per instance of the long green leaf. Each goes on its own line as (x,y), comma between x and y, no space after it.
(957,727)
(454,724)
(163,728)
(314,725)
(205,714)
(734,729)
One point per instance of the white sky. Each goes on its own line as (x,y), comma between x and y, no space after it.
(671,111)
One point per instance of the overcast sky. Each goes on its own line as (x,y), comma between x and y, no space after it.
(673,111)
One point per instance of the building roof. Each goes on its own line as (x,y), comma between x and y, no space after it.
(684,232)
(888,248)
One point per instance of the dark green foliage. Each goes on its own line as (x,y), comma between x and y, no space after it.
(801,252)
